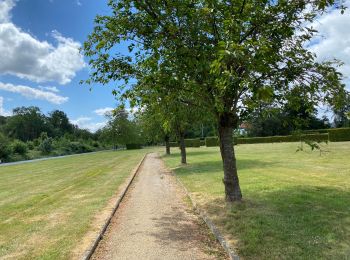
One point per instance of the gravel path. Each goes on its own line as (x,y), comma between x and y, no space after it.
(154,222)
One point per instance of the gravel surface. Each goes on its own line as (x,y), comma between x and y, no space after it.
(154,222)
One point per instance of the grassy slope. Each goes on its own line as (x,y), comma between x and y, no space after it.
(46,207)
(296,205)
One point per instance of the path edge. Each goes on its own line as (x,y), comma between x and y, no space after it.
(91,249)
(219,237)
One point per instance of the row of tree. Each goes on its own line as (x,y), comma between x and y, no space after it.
(221,59)
(28,133)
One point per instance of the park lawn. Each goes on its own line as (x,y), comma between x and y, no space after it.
(47,207)
(296,204)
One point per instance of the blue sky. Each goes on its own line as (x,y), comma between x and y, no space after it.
(40,63)
(52,30)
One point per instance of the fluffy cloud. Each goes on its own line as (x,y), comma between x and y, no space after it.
(103,111)
(333,40)
(5,8)
(86,123)
(34,93)
(26,57)
(3,112)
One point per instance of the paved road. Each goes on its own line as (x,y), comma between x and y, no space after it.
(153,222)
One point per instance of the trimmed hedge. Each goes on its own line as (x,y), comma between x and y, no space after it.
(202,142)
(133,146)
(192,142)
(212,141)
(279,139)
(335,134)
(174,144)
(339,134)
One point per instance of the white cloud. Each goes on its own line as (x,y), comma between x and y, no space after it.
(5,8)
(52,89)
(3,112)
(103,111)
(86,123)
(26,57)
(334,38)
(34,93)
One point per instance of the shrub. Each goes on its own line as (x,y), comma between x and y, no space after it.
(192,143)
(335,134)
(211,141)
(174,144)
(95,144)
(30,145)
(19,147)
(287,138)
(46,146)
(133,146)
(5,149)
(78,147)
(339,134)
(202,142)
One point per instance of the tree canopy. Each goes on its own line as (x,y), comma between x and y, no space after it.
(226,56)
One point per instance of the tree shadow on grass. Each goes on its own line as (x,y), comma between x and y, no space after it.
(299,222)
(208,167)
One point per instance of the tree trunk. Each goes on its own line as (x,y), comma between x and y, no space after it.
(167,144)
(183,148)
(231,181)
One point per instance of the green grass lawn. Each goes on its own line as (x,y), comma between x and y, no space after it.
(46,207)
(296,204)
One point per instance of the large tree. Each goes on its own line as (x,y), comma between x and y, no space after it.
(230,55)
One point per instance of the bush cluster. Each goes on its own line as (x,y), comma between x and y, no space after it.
(192,142)
(335,134)
(133,146)
(214,141)
(174,144)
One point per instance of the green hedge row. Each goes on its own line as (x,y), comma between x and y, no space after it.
(133,146)
(192,142)
(174,144)
(214,141)
(335,134)
(202,142)
(279,139)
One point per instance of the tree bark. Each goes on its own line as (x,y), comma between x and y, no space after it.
(231,181)
(183,148)
(167,144)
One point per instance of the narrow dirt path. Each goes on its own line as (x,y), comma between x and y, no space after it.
(154,222)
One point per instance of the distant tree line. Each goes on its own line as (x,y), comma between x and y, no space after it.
(28,133)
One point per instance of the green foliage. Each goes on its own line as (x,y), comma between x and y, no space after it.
(133,146)
(46,145)
(5,149)
(335,134)
(202,142)
(174,144)
(280,139)
(19,147)
(192,142)
(30,145)
(78,147)
(212,141)
(339,134)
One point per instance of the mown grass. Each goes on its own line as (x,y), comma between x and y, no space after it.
(296,204)
(46,207)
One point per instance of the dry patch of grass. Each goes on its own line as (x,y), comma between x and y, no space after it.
(296,205)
